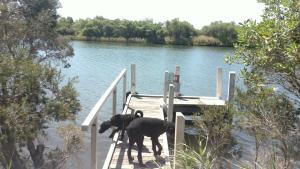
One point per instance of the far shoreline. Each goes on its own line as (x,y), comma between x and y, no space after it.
(139,41)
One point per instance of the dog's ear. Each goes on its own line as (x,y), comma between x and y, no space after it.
(114,119)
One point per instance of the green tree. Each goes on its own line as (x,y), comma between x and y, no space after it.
(225,32)
(181,32)
(31,90)
(65,26)
(270,52)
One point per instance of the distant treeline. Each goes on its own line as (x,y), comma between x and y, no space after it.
(171,32)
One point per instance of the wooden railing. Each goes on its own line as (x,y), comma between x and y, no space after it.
(91,119)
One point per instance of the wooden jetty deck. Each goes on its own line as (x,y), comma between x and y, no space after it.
(150,105)
(151,108)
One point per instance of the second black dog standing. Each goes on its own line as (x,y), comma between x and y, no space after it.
(120,121)
(151,127)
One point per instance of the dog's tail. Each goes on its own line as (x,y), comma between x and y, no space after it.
(139,113)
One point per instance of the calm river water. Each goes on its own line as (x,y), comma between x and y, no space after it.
(97,64)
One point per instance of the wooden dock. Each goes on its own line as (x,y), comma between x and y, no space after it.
(151,108)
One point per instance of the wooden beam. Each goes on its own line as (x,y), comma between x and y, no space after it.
(170,103)
(219,83)
(179,136)
(133,79)
(124,88)
(231,86)
(114,102)
(166,85)
(94,145)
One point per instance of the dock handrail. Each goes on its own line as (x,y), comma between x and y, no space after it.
(91,119)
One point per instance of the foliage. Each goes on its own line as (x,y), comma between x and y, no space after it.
(31,90)
(64,26)
(214,141)
(181,32)
(273,121)
(203,40)
(270,52)
(270,49)
(225,32)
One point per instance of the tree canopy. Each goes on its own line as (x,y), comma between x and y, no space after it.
(225,32)
(171,32)
(31,89)
(270,52)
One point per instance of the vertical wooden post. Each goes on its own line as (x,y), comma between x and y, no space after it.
(179,136)
(231,85)
(124,89)
(133,79)
(94,144)
(177,80)
(166,85)
(219,82)
(170,104)
(171,78)
(114,103)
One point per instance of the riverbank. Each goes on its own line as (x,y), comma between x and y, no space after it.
(201,40)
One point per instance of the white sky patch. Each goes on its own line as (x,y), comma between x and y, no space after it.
(197,12)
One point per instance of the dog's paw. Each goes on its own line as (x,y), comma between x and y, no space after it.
(142,165)
(130,159)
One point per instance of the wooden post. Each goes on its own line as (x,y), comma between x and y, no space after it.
(179,135)
(124,89)
(219,82)
(231,85)
(133,79)
(94,144)
(171,78)
(171,101)
(114,103)
(166,85)
(177,80)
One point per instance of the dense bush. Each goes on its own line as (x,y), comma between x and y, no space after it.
(171,32)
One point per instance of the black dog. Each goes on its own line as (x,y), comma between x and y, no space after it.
(120,121)
(151,127)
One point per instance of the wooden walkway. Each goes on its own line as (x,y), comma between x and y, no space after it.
(151,108)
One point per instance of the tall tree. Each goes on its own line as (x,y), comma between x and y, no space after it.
(270,51)
(181,32)
(31,89)
(225,32)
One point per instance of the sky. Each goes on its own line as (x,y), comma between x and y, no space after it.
(197,12)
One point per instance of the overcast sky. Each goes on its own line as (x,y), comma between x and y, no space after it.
(197,12)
